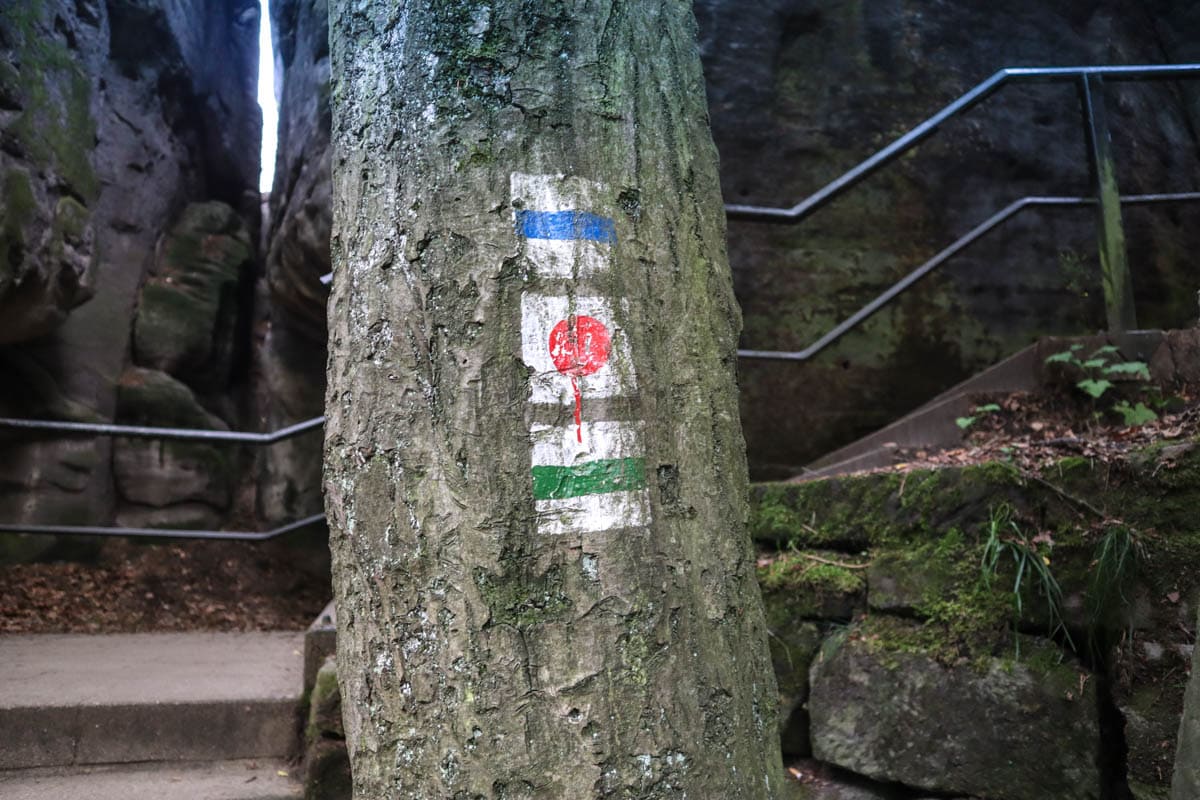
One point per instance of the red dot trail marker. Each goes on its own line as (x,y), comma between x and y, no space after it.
(579,346)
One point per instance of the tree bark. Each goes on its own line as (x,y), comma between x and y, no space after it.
(535,474)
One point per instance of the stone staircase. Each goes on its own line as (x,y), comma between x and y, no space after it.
(203,716)
(932,425)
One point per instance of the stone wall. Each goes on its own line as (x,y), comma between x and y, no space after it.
(129,138)
(801,90)
(903,657)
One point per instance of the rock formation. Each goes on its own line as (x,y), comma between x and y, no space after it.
(292,333)
(129,139)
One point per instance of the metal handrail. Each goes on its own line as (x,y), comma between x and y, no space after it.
(162,533)
(178,434)
(944,255)
(175,434)
(970,99)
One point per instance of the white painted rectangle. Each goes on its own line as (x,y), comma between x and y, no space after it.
(556,193)
(571,259)
(593,513)
(559,446)
(539,314)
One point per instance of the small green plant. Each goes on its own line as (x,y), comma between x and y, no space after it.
(1113,567)
(1098,368)
(1133,415)
(976,413)
(1031,561)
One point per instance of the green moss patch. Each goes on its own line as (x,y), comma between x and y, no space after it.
(879,508)
(524,600)
(17,209)
(55,127)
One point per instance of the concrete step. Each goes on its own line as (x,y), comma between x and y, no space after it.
(212,780)
(71,700)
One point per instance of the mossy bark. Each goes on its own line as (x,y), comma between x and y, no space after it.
(479,658)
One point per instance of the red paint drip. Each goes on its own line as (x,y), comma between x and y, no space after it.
(579,346)
(578,409)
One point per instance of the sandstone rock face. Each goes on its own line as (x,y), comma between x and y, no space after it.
(801,90)
(298,243)
(1009,731)
(48,185)
(291,347)
(114,117)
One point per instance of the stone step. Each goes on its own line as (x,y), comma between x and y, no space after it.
(72,700)
(210,780)
(933,424)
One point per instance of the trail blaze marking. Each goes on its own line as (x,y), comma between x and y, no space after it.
(597,485)
(566,225)
(540,314)
(579,346)
(580,484)
(591,477)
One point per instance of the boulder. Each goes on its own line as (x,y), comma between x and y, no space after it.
(169,483)
(187,316)
(1005,729)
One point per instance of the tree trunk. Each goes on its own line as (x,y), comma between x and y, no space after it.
(535,475)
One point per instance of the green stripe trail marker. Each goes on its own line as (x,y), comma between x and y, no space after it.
(592,477)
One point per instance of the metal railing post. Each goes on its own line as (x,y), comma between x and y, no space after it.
(1110,232)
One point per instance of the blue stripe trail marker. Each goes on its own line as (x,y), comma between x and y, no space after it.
(566,225)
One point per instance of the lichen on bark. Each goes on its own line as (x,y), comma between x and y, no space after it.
(478,657)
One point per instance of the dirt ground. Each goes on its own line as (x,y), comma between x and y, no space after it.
(1034,431)
(136,586)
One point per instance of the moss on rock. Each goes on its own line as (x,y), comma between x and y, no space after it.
(813,585)
(188,309)
(1008,731)
(879,508)
(1121,539)
(17,209)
